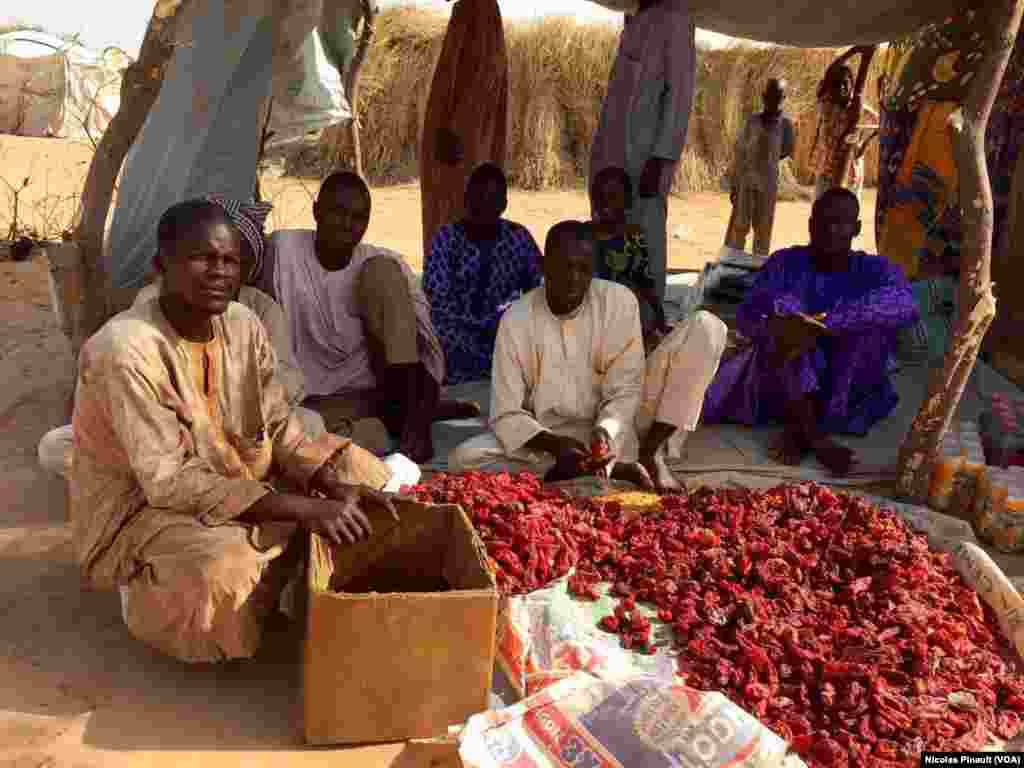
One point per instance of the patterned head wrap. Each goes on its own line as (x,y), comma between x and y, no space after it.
(249,216)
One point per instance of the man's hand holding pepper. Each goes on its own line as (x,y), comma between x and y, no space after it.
(600,455)
(571,456)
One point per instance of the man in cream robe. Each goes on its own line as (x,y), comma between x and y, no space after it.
(582,374)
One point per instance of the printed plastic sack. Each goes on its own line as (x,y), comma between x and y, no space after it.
(628,722)
(984,576)
(549,635)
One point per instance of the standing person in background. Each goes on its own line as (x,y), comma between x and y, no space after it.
(766,139)
(645,116)
(840,122)
(466,122)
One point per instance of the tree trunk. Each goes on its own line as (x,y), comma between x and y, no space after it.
(977,305)
(845,152)
(257,192)
(139,90)
(349,138)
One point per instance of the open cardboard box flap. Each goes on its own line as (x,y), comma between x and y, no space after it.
(408,647)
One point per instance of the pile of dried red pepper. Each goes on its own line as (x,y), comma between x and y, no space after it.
(825,617)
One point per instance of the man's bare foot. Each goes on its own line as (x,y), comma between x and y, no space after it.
(633,472)
(789,447)
(448,410)
(664,480)
(837,459)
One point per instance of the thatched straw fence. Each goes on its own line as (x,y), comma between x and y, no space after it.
(559,69)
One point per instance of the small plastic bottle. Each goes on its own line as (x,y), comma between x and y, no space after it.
(999,430)
(1017,450)
(970,474)
(970,442)
(947,465)
(990,505)
(1008,517)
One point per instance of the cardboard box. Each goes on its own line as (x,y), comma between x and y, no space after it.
(405,648)
(442,752)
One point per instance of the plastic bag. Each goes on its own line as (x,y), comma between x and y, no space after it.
(632,721)
(308,97)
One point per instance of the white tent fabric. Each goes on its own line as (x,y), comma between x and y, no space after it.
(812,23)
(308,95)
(49,87)
(202,134)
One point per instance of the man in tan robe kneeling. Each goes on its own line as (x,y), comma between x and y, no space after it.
(179,419)
(569,369)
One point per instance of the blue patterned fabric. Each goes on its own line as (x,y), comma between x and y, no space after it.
(469,286)
(626,261)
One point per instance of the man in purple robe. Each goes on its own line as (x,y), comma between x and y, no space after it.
(822,320)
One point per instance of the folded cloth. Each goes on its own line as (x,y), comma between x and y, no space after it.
(404,472)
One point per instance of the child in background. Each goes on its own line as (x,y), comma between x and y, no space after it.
(622,255)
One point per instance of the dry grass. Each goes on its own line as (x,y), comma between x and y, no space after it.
(558,71)
(394,85)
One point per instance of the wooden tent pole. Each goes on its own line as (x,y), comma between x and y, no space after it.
(139,89)
(352,81)
(347,138)
(846,150)
(265,135)
(976,304)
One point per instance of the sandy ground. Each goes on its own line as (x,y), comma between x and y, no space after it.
(56,171)
(75,689)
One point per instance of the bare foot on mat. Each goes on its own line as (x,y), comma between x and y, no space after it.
(664,480)
(448,410)
(837,459)
(789,447)
(633,472)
